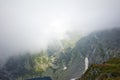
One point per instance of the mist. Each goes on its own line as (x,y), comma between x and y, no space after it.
(29,25)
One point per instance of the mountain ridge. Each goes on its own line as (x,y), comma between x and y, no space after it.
(67,63)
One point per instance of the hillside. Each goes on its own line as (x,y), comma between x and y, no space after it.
(109,70)
(64,60)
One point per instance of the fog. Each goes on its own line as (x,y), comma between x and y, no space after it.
(27,25)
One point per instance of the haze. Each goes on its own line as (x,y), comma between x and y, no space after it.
(27,25)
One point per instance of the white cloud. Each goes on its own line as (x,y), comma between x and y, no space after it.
(32,24)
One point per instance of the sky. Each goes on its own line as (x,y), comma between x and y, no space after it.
(31,24)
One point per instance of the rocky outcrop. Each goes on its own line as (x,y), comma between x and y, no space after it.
(4,75)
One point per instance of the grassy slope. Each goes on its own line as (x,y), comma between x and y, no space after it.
(109,70)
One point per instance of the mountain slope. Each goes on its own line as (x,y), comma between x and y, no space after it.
(109,70)
(66,60)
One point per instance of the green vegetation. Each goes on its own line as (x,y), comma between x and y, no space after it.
(28,66)
(109,70)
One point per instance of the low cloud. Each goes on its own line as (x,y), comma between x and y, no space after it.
(27,25)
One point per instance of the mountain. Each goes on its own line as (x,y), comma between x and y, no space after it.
(65,59)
